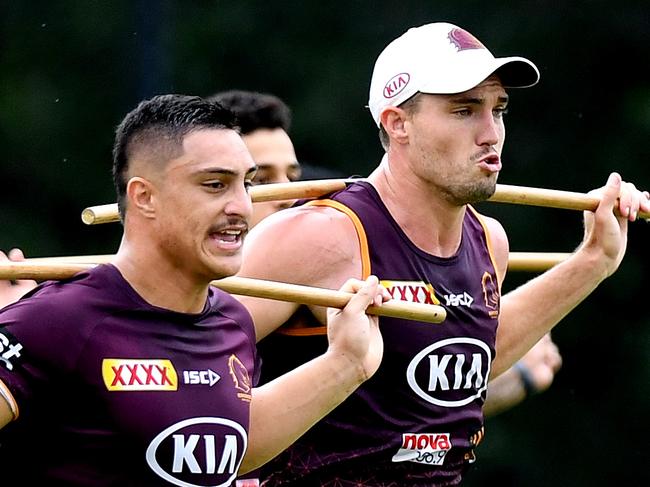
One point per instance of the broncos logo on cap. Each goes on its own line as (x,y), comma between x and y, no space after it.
(464,40)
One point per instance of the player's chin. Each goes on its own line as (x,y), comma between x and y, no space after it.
(477,192)
(222,262)
(224,266)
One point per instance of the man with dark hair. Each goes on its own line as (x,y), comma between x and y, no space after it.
(438,96)
(139,372)
(254,110)
(264,121)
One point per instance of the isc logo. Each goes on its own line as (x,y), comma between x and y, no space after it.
(451,372)
(202,377)
(464,299)
(198,452)
(9,350)
(139,375)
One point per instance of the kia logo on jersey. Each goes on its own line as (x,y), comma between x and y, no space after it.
(198,452)
(451,372)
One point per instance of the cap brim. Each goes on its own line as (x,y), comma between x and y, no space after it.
(516,72)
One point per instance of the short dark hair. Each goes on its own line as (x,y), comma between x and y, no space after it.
(255,110)
(159,125)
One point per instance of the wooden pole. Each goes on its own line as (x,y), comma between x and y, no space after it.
(42,269)
(520,195)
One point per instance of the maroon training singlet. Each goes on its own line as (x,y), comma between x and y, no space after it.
(417,420)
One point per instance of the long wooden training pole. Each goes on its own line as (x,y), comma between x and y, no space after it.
(550,198)
(517,261)
(520,195)
(94,215)
(535,261)
(40,270)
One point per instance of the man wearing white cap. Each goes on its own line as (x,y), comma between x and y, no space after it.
(438,97)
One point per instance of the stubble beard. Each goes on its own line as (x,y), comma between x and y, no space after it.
(468,193)
(462,192)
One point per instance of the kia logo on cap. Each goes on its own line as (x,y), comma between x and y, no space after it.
(396,84)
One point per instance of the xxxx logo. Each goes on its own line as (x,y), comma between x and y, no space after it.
(411,291)
(139,375)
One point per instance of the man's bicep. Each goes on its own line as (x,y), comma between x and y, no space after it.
(308,247)
(274,251)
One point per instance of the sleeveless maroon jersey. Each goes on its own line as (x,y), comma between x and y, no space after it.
(417,420)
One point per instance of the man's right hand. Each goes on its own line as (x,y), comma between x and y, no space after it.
(11,291)
(605,232)
(354,334)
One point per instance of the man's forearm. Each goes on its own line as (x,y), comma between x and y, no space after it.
(504,392)
(531,310)
(284,409)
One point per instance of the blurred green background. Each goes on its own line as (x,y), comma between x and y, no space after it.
(70,70)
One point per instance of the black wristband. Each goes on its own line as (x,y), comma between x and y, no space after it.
(526,379)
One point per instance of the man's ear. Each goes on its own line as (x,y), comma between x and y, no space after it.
(141,194)
(393,120)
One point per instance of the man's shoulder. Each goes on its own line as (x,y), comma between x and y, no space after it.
(55,301)
(308,221)
(54,321)
(311,226)
(312,212)
(225,304)
(497,239)
(304,226)
(304,245)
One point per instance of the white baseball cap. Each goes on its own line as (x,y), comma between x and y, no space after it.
(440,58)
